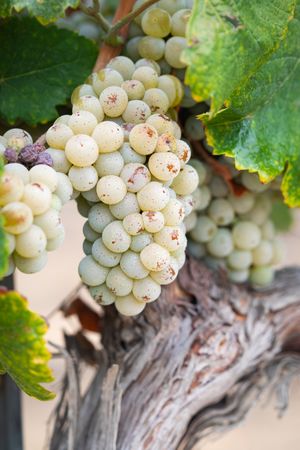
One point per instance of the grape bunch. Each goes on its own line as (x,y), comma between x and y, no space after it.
(234,232)
(30,204)
(126,161)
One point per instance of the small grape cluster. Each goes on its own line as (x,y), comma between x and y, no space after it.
(16,146)
(234,232)
(125,158)
(30,205)
(159,34)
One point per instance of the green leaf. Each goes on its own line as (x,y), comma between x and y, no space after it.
(45,11)
(282,216)
(23,352)
(228,40)
(260,125)
(3,240)
(39,68)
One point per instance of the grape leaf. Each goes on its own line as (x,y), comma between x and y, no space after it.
(229,40)
(260,126)
(23,352)
(39,68)
(45,11)
(3,240)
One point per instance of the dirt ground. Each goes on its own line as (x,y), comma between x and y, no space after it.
(261,431)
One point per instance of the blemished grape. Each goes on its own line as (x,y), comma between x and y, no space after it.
(153,221)
(114,101)
(119,283)
(161,123)
(133,224)
(82,122)
(134,89)
(17,138)
(174,212)
(143,138)
(153,197)
(155,257)
(104,256)
(45,175)
(11,189)
(38,197)
(137,111)
(186,182)
(89,103)
(58,135)
(102,295)
(157,100)
(17,217)
(18,170)
(146,290)
(115,237)
(111,189)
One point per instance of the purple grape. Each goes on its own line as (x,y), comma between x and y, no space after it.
(11,155)
(28,155)
(44,158)
(39,147)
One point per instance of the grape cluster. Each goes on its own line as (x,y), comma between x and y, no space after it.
(16,146)
(30,204)
(124,156)
(234,232)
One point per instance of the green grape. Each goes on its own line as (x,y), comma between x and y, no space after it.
(221,211)
(204,230)
(174,47)
(156,22)
(221,244)
(131,48)
(193,129)
(153,48)
(179,22)
(262,276)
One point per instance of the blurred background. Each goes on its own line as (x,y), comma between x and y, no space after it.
(262,430)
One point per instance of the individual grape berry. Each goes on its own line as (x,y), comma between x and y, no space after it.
(156,22)
(115,237)
(31,243)
(123,65)
(167,275)
(153,197)
(134,89)
(17,217)
(91,272)
(81,150)
(38,197)
(11,189)
(114,101)
(103,255)
(28,155)
(11,155)
(153,221)
(129,205)
(105,78)
(128,305)
(147,76)
(83,178)
(44,158)
(155,257)
(17,138)
(132,266)
(119,283)
(133,224)
(152,48)
(135,176)
(173,50)
(111,189)
(143,139)
(108,136)
(30,265)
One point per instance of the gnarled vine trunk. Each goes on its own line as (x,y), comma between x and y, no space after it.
(193,361)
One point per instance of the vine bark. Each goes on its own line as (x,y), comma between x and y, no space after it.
(193,361)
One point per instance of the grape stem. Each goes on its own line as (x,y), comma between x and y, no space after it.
(94,11)
(118,31)
(127,19)
(219,168)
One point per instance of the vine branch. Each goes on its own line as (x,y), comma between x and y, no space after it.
(94,11)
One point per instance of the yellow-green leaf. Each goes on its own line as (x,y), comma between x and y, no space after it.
(23,352)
